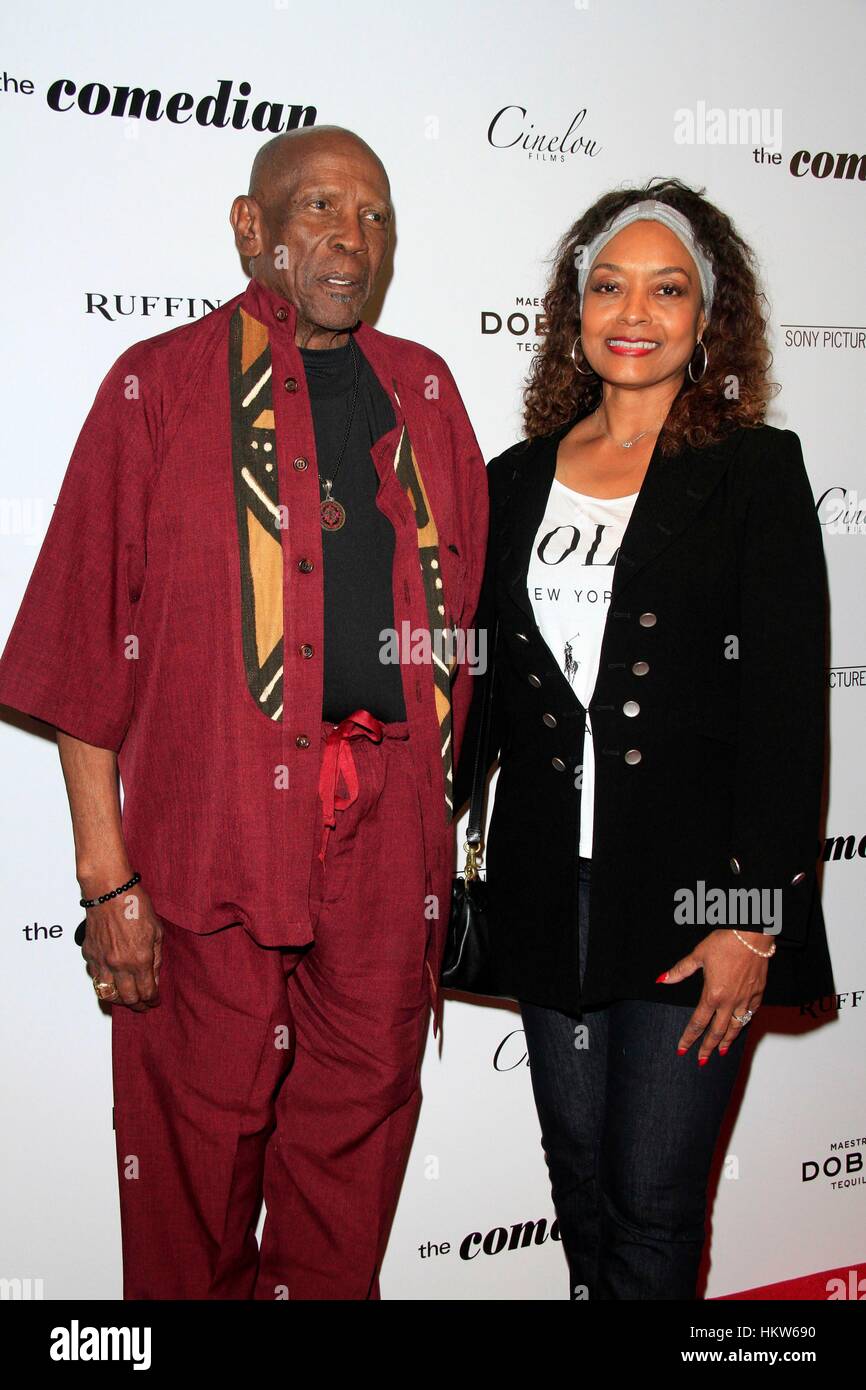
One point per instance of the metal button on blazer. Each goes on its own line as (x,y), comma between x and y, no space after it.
(647,619)
(534,680)
(558,764)
(522,635)
(798,878)
(550,720)
(633,756)
(735,865)
(640,668)
(631,708)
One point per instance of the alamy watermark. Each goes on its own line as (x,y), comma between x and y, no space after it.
(755,909)
(421,646)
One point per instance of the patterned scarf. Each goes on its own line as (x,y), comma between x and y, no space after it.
(254,466)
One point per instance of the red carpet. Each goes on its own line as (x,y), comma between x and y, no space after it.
(831,1284)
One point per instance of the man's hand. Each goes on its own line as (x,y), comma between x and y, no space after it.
(125,950)
(123,937)
(734,981)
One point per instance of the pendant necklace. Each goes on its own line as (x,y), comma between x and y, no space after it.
(626,443)
(332,512)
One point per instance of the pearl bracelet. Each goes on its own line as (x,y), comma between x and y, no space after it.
(765,955)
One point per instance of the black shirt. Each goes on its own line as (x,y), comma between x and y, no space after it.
(358,558)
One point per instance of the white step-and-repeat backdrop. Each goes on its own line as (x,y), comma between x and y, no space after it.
(498,123)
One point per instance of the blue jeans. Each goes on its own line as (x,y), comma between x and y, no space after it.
(629,1131)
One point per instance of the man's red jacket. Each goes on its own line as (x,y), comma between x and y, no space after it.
(129,635)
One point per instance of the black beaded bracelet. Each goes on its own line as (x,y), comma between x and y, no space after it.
(104,897)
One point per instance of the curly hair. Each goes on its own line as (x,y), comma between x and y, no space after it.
(703,412)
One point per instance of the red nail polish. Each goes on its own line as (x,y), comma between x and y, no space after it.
(681,1051)
(702,1061)
(722,1051)
(661,979)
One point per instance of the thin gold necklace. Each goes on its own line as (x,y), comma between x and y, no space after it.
(628,443)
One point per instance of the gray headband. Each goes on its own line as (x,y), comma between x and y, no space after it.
(651,210)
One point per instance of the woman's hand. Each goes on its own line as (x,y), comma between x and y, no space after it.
(734,981)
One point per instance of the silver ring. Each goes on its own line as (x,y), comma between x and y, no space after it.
(745,1018)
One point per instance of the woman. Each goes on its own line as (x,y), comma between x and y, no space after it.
(656,567)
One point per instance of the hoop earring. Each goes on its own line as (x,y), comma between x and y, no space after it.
(574,359)
(692,377)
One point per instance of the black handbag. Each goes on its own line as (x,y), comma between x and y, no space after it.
(467,962)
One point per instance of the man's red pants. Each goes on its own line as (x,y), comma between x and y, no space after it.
(288,1073)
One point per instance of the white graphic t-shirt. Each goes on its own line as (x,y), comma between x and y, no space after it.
(568,581)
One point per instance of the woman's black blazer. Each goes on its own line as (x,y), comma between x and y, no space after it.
(715,630)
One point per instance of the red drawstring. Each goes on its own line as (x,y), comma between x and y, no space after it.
(338,758)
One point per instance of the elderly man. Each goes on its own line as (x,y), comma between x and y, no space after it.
(256,504)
